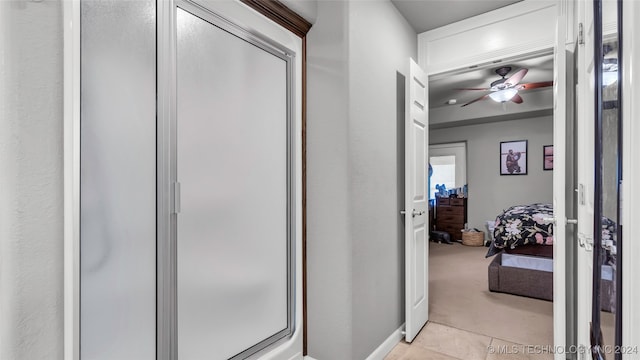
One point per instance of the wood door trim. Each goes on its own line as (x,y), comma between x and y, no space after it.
(281,14)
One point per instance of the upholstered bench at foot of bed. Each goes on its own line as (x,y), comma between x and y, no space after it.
(525,282)
(533,283)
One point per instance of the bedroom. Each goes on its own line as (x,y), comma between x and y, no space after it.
(490,192)
(460,287)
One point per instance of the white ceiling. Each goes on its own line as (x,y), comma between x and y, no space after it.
(426,15)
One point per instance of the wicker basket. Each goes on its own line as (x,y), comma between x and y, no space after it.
(473,238)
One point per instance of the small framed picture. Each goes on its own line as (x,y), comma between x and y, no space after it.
(547,157)
(513,157)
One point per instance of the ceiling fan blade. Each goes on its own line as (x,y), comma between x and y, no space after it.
(517,99)
(535,85)
(514,79)
(485,89)
(478,99)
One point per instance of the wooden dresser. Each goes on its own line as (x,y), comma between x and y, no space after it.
(451,215)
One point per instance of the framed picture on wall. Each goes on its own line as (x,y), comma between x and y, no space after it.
(513,157)
(547,157)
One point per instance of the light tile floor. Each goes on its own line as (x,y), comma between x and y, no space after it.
(441,342)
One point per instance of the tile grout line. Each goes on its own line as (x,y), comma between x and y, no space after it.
(476,333)
(471,332)
(457,329)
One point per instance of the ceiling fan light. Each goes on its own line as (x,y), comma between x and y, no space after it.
(503,95)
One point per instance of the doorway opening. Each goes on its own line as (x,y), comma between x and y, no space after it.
(460,275)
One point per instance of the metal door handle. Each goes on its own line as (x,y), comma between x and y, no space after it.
(553,220)
(414,212)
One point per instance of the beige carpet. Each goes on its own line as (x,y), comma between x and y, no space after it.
(459,297)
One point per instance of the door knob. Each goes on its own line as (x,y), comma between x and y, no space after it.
(553,220)
(414,212)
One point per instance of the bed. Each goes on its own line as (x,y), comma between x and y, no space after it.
(523,225)
(522,246)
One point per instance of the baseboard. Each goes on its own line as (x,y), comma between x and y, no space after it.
(384,348)
(388,345)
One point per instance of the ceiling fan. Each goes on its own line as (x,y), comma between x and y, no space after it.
(506,89)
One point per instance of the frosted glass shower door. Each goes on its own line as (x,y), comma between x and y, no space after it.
(234,227)
(117,180)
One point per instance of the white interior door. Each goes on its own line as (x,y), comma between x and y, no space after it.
(416,209)
(585,129)
(559,183)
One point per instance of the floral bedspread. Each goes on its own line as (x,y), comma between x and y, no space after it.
(526,224)
(522,225)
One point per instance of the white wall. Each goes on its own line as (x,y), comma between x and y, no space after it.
(488,37)
(329,249)
(354,253)
(489,192)
(308,9)
(31,232)
(380,45)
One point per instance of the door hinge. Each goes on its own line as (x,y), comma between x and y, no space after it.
(580,34)
(585,241)
(176,198)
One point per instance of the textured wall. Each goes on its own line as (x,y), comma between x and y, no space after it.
(329,248)
(308,9)
(355,255)
(489,192)
(380,45)
(31,233)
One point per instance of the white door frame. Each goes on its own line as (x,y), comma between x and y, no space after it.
(71,159)
(631,176)
(585,158)
(532,44)
(559,182)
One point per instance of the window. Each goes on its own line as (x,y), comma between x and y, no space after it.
(449,165)
(444,172)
